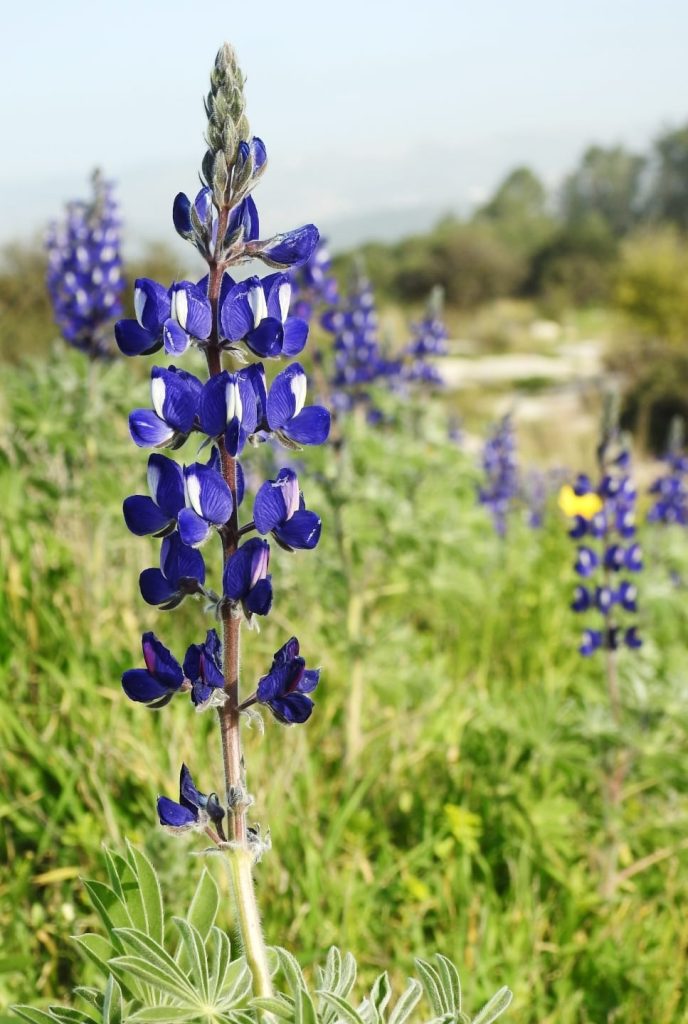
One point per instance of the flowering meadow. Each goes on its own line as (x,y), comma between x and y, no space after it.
(317,698)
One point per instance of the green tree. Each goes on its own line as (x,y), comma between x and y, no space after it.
(668,199)
(607,183)
(518,211)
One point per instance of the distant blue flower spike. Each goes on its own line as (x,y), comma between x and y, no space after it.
(84,274)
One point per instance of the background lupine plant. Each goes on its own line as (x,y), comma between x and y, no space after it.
(429,340)
(670,490)
(358,358)
(608,556)
(313,284)
(500,488)
(84,276)
(203,501)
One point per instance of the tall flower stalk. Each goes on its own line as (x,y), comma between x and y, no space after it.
(608,557)
(230,410)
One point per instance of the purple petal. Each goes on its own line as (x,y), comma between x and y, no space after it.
(292,710)
(166,483)
(152,304)
(287,391)
(155,589)
(134,340)
(173,815)
(291,249)
(148,430)
(208,494)
(309,680)
(311,426)
(191,308)
(143,516)
(181,215)
(266,339)
(213,405)
(193,530)
(295,336)
(141,686)
(302,530)
(175,339)
(259,599)
(269,508)
(236,314)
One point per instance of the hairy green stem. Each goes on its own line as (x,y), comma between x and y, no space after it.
(240,867)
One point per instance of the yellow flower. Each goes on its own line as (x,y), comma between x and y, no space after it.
(572,504)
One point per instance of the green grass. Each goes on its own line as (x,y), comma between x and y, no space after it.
(472,820)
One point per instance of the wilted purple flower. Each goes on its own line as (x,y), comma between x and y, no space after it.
(84,276)
(285,686)
(194,809)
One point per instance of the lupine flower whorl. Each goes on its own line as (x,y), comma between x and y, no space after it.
(670,490)
(499,462)
(608,555)
(84,276)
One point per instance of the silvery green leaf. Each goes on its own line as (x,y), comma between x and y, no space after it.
(116,867)
(91,995)
(345,1011)
(164,1014)
(450,981)
(381,994)
(33,1016)
(112,1003)
(195,949)
(432,986)
(108,907)
(290,968)
(153,974)
(94,948)
(280,1006)
(150,893)
(496,1006)
(202,912)
(304,1010)
(67,1015)
(406,1003)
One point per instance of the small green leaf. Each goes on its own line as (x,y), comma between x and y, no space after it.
(33,1016)
(432,987)
(406,1003)
(304,1010)
(496,1006)
(205,904)
(164,1014)
(195,950)
(279,1006)
(290,968)
(112,1003)
(451,983)
(344,1009)
(153,974)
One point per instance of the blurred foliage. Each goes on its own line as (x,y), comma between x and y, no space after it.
(26,320)
(471,820)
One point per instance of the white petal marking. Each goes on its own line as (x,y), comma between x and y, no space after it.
(256,300)
(284,297)
(298,390)
(158,395)
(139,304)
(153,480)
(193,493)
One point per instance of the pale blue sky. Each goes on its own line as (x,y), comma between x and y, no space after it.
(370,109)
